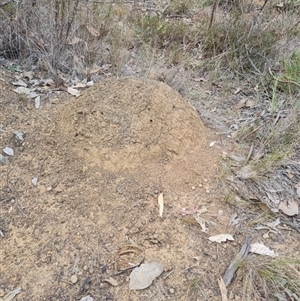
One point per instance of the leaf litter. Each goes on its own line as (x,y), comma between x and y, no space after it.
(261,249)
(143,276)
(221,238)
(235,264)
(161,204)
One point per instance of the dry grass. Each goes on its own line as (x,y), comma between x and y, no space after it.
(270,280)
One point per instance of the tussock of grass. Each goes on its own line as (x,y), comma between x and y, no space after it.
(270,280)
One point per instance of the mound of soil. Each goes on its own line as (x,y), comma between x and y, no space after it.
(101,161)
(126,124)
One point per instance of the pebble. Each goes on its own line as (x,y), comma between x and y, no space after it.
(193,187)
(74,279)
(171,290)
(214,257)
(85,267)
(200,185)
(207,191)
(205,180)
(155,235)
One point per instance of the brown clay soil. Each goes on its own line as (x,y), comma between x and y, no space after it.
(101,161)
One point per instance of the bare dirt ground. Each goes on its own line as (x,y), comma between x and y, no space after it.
(101,160)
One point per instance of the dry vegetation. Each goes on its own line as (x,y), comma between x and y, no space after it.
(236,43)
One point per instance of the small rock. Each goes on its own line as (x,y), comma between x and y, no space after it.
(74,279)
(205,180)
(207,191)
(85,267)
(193,187)
(214,257)
(155,235)
(171,291)
(200,185)
(8,151)
(34,181)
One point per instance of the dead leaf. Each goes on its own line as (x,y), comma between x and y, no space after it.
(249,103)
(142,277)
(161,204)
(19,83)
(244,103)
(240,104)
(29,74)
(247,172)
(221,238)
(11,295)
(223,289)
(22,90)
(73,91)
(237,158)
(74,41)
(202,210)
(201,221)
(95,69)
(274,224)
(261,249)
(289,207)
(79,85)
(8,151)
(236,263)
(37,102)
(234,220)
(93,31)
(237,91)
(185,211)
(32,94)
(111,281)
